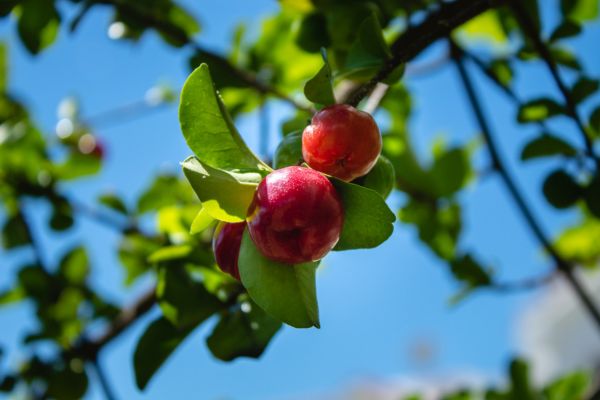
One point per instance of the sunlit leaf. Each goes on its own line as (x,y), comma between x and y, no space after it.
(539,110)
(319,89)
(286,292)
(368,221)
(208,129)
(225,196)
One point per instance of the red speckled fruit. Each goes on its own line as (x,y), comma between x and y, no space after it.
(226,246)
(341,141)
(296,216)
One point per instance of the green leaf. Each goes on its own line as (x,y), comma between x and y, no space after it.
(439,224)
(202,221)
(468,270)
(569,387)
(224,195)
(68,382)
(319,89)
(312,34)
(15,232)
(561,190)
(539,110)
(245,332)
(38,24)
(487,26)
(3,67)
(591,195)
(62,214)
(113,202)
(369,50)
(450,171)
(566,29)
(184,301)
(289,151)
(579,10)
(208,128)
(158,341)
(165,191)
(286,292)
(565,58)
(519,377)
(381,178)
(547,145)
(169,253)
(75,266)
(368,221)
(583,88)
(78,165)
(595,121)
(579,243)
(501,70)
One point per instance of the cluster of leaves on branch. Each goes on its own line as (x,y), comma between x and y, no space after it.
(286,65)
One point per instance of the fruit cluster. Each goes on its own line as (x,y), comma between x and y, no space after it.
(296,214)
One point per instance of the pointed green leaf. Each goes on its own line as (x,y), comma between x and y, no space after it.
(547,145)
(208,128)
(539,110)
(160,339)
(202,221)
(224,195)
(369,50)
(286,292)
(243,333)
(319,89)
(368,221)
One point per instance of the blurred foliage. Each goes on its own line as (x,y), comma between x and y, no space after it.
(332,45)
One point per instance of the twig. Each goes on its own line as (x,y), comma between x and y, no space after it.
(102,379)
(525,284)
(561,264)
(38,253)
(89,348)
(528,27)
(411,43)
(375,98)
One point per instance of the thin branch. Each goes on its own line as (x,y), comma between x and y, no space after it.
(375,98)
(89,348)
(38,253)
(103,380)
(525,284)
(411,43)
(528,27)
(561,264)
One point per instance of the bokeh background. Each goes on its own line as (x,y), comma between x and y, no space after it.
(387,322)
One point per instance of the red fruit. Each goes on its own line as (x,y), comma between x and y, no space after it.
(226,246)
(341,141)
(296,216)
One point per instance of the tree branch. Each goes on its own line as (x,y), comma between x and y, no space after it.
(411,43)
(103,380)
(561,264)
(525,284)
(528,27)
(89,348)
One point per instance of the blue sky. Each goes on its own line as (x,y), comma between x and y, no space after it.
(376,305)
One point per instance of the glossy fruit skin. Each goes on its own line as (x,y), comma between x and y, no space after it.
(226,246)
(296,216)
(341,141)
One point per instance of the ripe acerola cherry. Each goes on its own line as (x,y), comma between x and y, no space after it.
(226,246)
(341,141)
(296,216)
